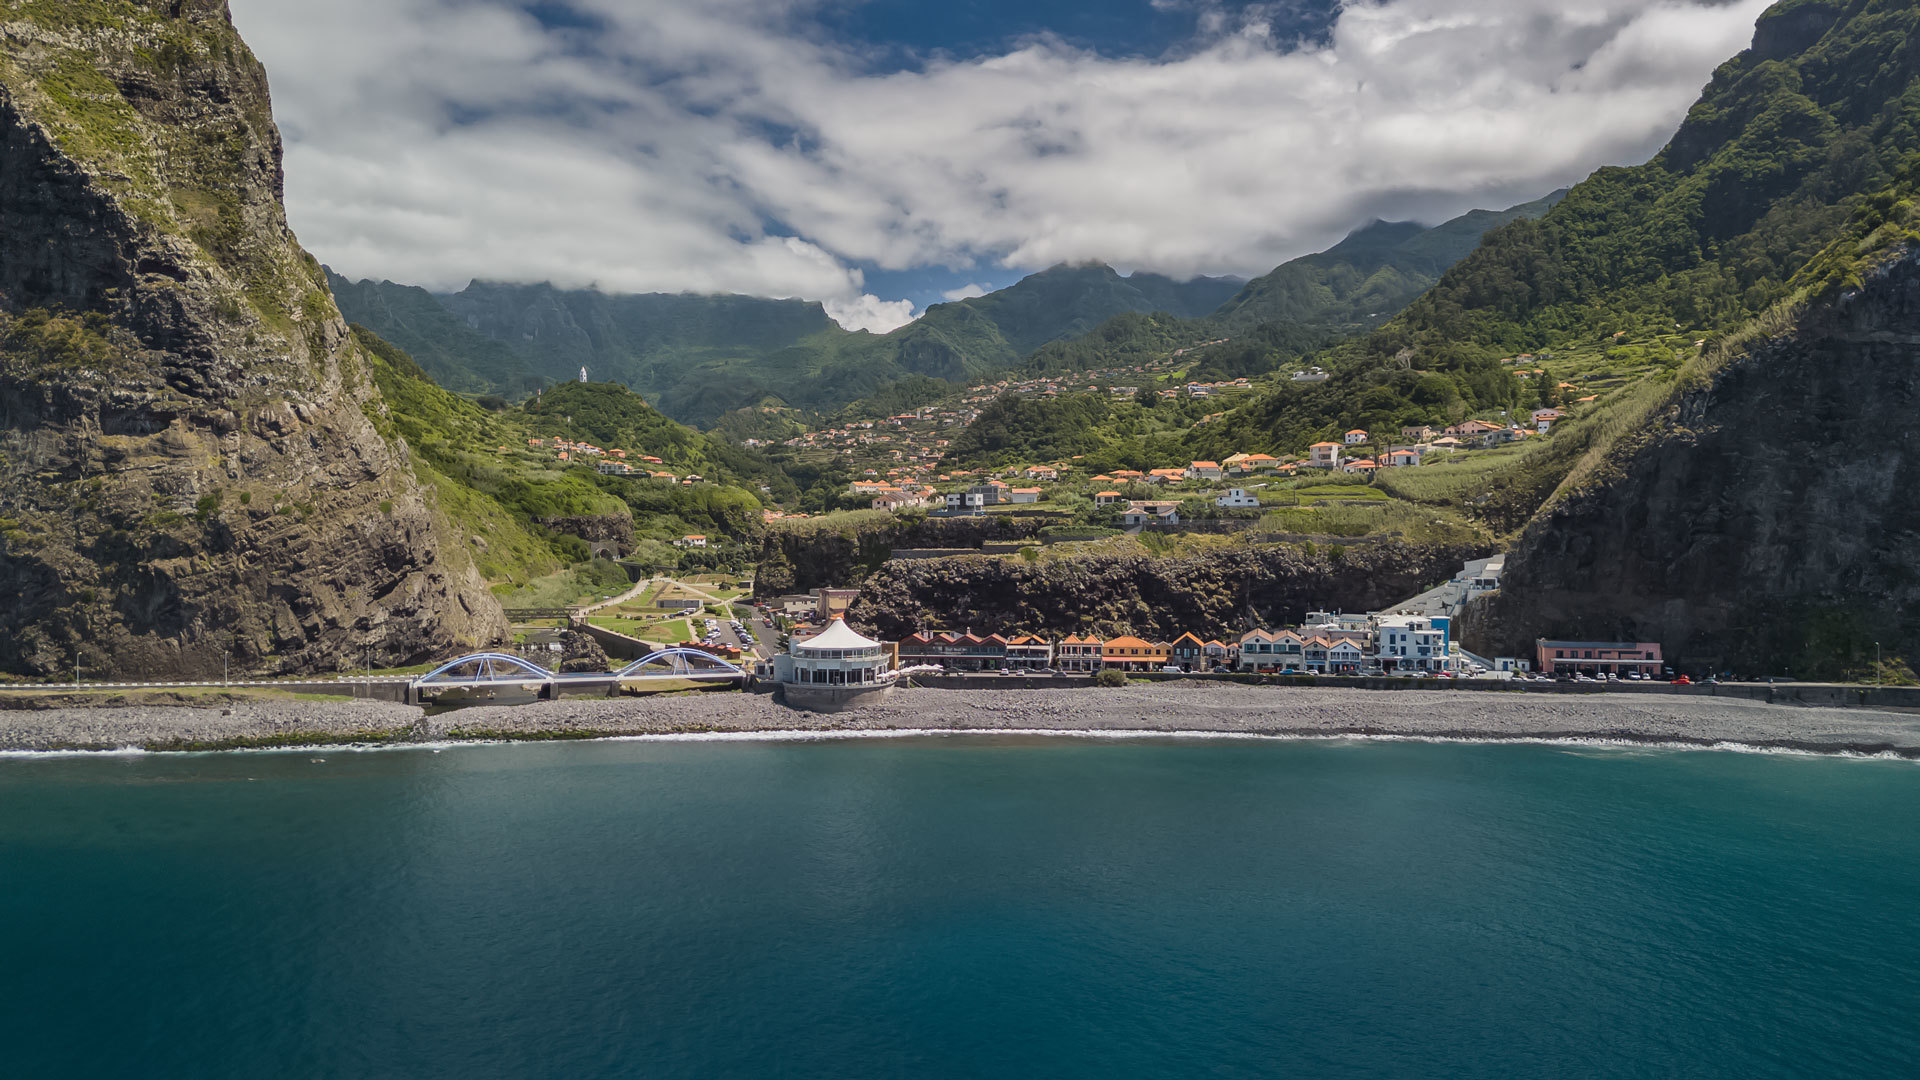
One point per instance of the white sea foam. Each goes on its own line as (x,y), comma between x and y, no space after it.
(1571,742)
(54,755)
(1145,734)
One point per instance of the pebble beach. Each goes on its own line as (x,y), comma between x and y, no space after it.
(1175,708)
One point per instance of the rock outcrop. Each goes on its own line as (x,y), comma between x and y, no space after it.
(1215,594)
(1766,522)
(194,465)
(581,653)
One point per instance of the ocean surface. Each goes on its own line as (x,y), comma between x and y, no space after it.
(963,906)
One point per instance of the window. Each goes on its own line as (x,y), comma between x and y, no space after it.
(1559,654)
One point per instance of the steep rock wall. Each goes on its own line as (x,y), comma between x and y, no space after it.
(1214,595)
(194,466)
(1768,522)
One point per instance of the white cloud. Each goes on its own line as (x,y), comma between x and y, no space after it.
(869,312)
(432,141)
(965,292)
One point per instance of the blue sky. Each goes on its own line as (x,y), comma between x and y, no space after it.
(880,155)
(912,28)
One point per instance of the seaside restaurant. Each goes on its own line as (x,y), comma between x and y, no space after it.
(1600,658)
(836,656)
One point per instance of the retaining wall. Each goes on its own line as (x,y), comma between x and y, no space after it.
(619,646)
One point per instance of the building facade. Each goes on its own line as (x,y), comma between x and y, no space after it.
(1132,654)
(1029,652)
(1598,658)
(1081,654)
(960,652)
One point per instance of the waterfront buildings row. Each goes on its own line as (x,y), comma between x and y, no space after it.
(839,666)
(1330,643)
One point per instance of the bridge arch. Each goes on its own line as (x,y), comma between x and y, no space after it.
(678,660)
(485,666)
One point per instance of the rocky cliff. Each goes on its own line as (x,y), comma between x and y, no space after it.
(192,458)
(1215,594)
(1765,521)
(798,556)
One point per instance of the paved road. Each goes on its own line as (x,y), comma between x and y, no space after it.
(766,632)
(638,588)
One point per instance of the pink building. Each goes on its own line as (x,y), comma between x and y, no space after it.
(1597,657)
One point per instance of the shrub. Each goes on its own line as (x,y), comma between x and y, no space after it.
(1110,677)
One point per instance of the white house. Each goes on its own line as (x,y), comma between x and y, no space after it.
(1025,495)
(1149,513)
(696,540)
(1411,643)
(1323,455)
(1343,658)
(1204,470)
(1237,498)
(1356,437)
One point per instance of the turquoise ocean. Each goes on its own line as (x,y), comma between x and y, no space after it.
(964,906)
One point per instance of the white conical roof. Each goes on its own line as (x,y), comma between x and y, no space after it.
(838,635)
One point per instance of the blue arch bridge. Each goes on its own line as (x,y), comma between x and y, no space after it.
(494,678)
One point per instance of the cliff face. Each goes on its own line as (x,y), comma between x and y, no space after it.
(192,464)
(1214,595)
(804,557)
(1766,522)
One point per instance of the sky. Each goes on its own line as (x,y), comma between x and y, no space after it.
(882,155)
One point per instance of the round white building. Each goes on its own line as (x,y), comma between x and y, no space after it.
(834,667)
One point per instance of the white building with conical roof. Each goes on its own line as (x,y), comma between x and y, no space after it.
(834,667)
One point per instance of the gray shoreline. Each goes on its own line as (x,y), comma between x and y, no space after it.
(1177,708)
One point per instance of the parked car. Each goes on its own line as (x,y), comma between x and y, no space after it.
(1682,680)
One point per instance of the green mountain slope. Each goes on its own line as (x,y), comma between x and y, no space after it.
(452,353)
(1296,309)
(1785,142)
(704,357)
(1375,272)
(525,511)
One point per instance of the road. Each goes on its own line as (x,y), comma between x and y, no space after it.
(638,588)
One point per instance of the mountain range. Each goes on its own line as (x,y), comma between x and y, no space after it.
(202,462)
(1373,273)
(701,357)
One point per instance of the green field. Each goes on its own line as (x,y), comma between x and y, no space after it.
(568,588)
(663,631)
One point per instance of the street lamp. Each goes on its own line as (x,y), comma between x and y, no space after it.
(1877,676)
